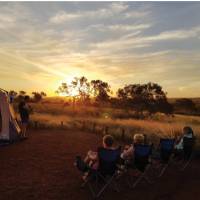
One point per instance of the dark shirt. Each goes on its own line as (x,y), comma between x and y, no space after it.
(23,110)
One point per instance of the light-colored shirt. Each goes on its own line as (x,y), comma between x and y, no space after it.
(179,146)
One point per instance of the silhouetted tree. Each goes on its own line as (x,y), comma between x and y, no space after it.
(78,90)
(81,87)
(100,90)
(144,97)
(63,89)
(22,93)
(37,96)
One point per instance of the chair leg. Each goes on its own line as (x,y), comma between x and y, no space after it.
(105,186)
(147,180)
(137,181)
(186,164)
(115,186)
(83,184)
(163,170)
(92,190)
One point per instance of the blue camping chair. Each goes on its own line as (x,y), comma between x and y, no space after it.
(166,153)
(141,162)
(99,180)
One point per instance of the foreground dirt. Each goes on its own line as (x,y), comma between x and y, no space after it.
(42,168)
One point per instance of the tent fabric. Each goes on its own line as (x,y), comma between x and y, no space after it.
(9,128)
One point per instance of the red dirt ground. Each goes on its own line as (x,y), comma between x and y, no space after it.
(42,168)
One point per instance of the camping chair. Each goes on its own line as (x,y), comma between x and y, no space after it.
(141,163)
(188,144)
(99,180)
(166,153)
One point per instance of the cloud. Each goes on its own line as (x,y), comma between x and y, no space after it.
(137,14)
(62,17)
(174,35)
(10,14)
(122,27)
(109,11)
(134,40)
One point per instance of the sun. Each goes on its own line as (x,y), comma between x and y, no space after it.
(73,92)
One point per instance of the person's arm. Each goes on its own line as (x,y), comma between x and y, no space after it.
(127,153)
(179,145)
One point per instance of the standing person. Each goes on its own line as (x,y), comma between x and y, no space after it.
(24,111)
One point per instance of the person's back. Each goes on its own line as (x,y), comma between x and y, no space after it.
(108,159)
(142,153)
(24,110)
(107,155)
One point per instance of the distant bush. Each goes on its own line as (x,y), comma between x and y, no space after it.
(185,106)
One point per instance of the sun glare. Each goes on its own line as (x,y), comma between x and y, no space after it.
(73,92)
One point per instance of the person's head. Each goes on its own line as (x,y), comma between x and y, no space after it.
(187,130)
(108,141)
(138,138)
(26,98)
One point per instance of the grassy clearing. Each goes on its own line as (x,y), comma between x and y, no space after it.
(154,128)
(118,122)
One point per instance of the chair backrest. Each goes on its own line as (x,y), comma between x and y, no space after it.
(188,144)
(108,159)
(166,148)
(167,144)
(142,153)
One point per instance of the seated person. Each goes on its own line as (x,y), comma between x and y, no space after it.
(179,147)
(188,133)
(91,160)
(128,152)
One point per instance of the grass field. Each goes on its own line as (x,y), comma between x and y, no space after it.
(53,114)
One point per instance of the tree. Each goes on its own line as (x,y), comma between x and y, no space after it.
(37,96)
(63,89)
(144,97)
(78,89)
(100,90)
(22,93)
(81,88)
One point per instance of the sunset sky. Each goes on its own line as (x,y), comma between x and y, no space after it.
(44,44)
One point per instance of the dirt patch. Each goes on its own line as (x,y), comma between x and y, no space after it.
(42,168)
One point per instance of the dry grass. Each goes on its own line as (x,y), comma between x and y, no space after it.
(154,129)
(51,114)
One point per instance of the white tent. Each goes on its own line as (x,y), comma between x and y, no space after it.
(9,128)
